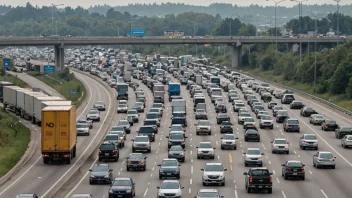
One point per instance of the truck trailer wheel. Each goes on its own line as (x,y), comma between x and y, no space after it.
(68,160)
(74,152)
(46,160)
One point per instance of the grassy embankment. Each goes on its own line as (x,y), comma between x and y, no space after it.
(63,82)
(308,88)
(12,145)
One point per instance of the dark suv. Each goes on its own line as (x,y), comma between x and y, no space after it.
(108,150)
(136,161)
(169,168)
(148,130)
(122,187)
(291,125)
(226,127)
(100,173)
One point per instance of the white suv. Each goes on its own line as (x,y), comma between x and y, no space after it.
(170,188)
(253,156)
(213,173)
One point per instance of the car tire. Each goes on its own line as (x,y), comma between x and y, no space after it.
(303,178)
(333,167)
(90,182)
(249,190)
(288,152)
(160,177)
(285,177)
(222,148)
(223,183)
(270,190)
(303,148)
(99,159)
(204,184)
(128,168)
(235,148)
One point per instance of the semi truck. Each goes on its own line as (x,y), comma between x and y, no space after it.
(2,85)
(59,137)
(40,103)
(199,80)
(29,104)
(10,97)
(122,91)
(179,108)
(174,90)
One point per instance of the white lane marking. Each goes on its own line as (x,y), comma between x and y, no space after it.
(123,162)
(282,133)
(191,169)
(310,172)
(236,187)
(191,160)
(263,146)
(321,190)
(295,152)
(118,173)
(274,172)
(153,168)
(269,162)
(145,192)
(191,152)
(189,191)
(190,181)
(236,196)
(40,157)
(218,157)
(298,156)
(283,194)
(277,179)
(151,175)
(216,143)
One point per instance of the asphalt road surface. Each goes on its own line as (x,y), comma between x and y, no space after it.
(319,183)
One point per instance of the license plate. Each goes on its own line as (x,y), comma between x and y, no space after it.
(294,173)
(119,195)
(168,173)
(260,186)
(106,154)
(135,165)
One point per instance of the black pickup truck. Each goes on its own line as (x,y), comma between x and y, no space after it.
(258,179)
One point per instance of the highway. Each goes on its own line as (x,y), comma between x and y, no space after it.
(41,179)
(319,183)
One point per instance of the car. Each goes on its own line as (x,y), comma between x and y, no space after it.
(108,150)
(133,113)
(213,173)
(258,179)
(287,98)
(149,131)
(82,196)
(238,106)
(249,123)
(258,108)
(266,97)
(266,121)
(93,115)
(99,105)
(280,145)
(308,141)
(293,168)
(138,107)
(221,107)
(346,141)
(200,114)
(176,138)
(158,106)
(177,128)
(122,108)
(203,126)
(177,152)
(27,195)
(276,109)
(253,156)
(307,111)
(228,141)
(82,129)
(222,117)
(316,119)
(141,143)
(324,159)
(242,116)
(129,119)
(156,110)
(281,115)
(125,124)
(341,131)
(262,113)
(296,105)
(226,127)
(116,139)
(205,150)
(169,168)
(100,173)
(88,122)
(136,161)
(271,104)
(122,187)
(170,188)
(121,134)
(154,116)
(208,193)
(252,134)
(329,125)
(290,124)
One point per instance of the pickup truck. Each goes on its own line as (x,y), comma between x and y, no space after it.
(258,179)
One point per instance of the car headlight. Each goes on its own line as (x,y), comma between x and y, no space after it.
(110,191)
(205,177)
(128,191)
(134,145)
(198,128)
(160,194)
(106,176)
(92,176)
(161,170)
(182,153)
(148,144)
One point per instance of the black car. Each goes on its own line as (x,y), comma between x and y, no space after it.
(100,173)
(122,187)
(176,138)
(329,125)
(296,105)
(221,117)
(148,130)
(99,105)
(226,127)
(252,134)
(108,150)
(179,120)
(258,179)
(293,169)
(169,168)
(177,152)
(307,111)
(136,161)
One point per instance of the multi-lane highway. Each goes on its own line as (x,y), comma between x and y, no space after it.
(319,183)
(42,179)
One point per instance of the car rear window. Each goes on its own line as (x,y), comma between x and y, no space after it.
(260,173)
(146,130)
(107,147)
(292,122)
(150,122)
(294,164)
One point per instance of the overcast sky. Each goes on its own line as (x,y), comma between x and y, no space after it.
(87,3)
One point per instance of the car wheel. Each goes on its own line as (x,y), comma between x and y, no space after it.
(249,190)
(222,148)
(235,148)
(127,168)
(204,184)
(270,190)
(160,177)
(285,177)
(333,167)
(288,152)
(303,178)
(99,159)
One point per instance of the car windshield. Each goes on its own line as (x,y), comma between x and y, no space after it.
(280,142)
(265,118)
(245,115)
(229,137)
(223,116)
(260,173)
(205,145)
(132,112)
(249,120)
(117,128)
(100,169)
(107,147)
(152,116)
(208,194)
(99,103)
(200,111)
(141,139)
(119,133)
(294,164)
(326,155)
(226,123)
(213,167)
(330,122)
(154,110)
(150,122)
(146,130)
(169,163)
(253,152)
(296,102)
(81,122)
(176,148)
(79,126)
(310,137)
(123,106)
(204,123)
(157,106)
(176,128)
(319,117)
(346,129)
(240,105)
(111,137)
(122,183)
(124,122)
(292,122)
(349,138)
(176,136)
(308,109)
(170,185)
(92,112)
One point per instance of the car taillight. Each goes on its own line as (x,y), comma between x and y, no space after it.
(152,134)
(258,134)
(114,151)
(277,116)
(288,169)
(302,169)
(271,180)
(45,155)
(320,158)
(99,152)
(246,134)
(288,125)
(250,180)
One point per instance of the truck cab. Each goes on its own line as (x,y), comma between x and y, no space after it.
(258,179)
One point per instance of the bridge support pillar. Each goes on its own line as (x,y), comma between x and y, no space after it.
(293,47)
(59,57)
(305,48)
(236,52)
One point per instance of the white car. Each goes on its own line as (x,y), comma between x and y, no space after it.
(82,129)
(266,121)
(242,116)
(213,173)
(93,115)
(249,123)
(205,150)
(228,141)
(280,145)
(170,187)
(253,156)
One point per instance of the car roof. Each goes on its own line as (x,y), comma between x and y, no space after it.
(169,159)
(122,178)
(170,181)
(213,164)
(253,148)
(293,161)
(280,139)
(321,152)
(208,190)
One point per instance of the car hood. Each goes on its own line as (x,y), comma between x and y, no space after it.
(205,149)
(169,191)
(134,115)
(141,142)
(168,168)
(125,126)
(228,141)
(253,156)
(175,152)
(207,173)
(122,107)
(99,173)
(203,126)
(83,129)
(118,188)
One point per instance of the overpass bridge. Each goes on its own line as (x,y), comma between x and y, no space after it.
(235,41)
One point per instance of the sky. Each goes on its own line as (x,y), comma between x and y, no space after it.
(88,3)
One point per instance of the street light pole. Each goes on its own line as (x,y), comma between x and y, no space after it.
(276,3)
(52,16)
(231,22)
(194,28)
(315,15)
(338,20)
(300,11)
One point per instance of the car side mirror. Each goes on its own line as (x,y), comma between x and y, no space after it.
(186,137)
(334,157)
(182,187)
(225,169)
(202,169)
(245,173)
(271,142)
(111,170)
(184,149)
(158,187)
(90,169)
(214,148)
(270,173)
(222,196)
(145,157)
(197,147)
(262,153)
(167,136)
(133,183)
(244,153)
(195,124)
(137,131)
(221,138)
(236,138)
(303,165)
(282,164)
(179,165)
(132,140)
(159,164)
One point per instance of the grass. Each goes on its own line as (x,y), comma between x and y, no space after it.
(16,81)
(68,84)
(12,146)
(339,100)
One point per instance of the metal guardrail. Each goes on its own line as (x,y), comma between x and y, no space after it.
(348,112)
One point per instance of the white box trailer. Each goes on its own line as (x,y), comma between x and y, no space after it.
(199,79)
(29,103)
(159,87)
(20,99)
(42,102)
(10,96)
(178,105)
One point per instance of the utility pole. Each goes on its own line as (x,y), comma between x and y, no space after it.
(276,3)
(231,22)
(338,20)
(52,16)
(315,15)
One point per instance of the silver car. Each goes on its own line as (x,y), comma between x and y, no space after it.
(93,115)
(346,141)
(82,129)
(308,141)
(228,141)
(316,119)
(324,159)
(253,156)
(122,108)
(170,188)
(280,145)
(203,126)
(205,150)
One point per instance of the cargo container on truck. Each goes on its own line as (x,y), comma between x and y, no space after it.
(199,79)
(29,103)
(122,91)
(178,107)
(10,96)
(174,90)
(158,87)
(20,101)
(59,136)
(39,104)
(2,85)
